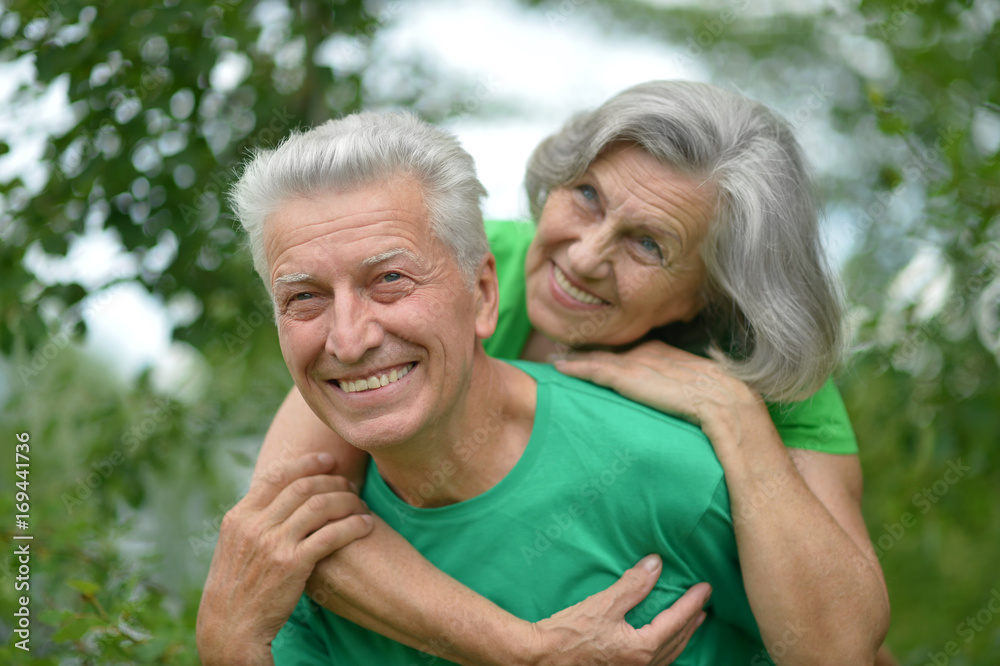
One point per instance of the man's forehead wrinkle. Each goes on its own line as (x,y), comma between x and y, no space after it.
(402,239)
(306,232)
(355,230)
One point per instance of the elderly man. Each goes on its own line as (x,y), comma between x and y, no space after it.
(516,480)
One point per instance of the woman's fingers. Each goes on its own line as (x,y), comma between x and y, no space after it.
(599,367)
(663,390)
(669,653)
(674,626)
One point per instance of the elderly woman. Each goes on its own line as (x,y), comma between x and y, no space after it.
(676,254)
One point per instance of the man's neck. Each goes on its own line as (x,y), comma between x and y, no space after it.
(481,442)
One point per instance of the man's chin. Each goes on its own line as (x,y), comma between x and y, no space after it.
(372,435)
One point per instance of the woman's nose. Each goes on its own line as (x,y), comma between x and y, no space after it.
(589,255)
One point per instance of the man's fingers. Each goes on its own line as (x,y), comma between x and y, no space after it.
(267,483)
(632,587)
(319,510)
(334,536)
(300,491)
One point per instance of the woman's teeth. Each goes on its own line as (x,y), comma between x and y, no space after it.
(577,294)
(374,382)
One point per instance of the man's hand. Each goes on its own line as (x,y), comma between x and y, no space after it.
(595,631)
(294,515)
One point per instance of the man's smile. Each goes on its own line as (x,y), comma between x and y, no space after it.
(375,380)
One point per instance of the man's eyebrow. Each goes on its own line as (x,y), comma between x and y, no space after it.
(388,254)
(294,277)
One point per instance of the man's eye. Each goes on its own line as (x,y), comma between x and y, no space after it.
(304,296)
(391,277)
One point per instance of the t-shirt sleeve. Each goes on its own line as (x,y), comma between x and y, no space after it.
(712,543)
(298,643)
(818,423)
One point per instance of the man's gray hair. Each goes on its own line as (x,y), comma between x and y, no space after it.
(367,149)
(773,312)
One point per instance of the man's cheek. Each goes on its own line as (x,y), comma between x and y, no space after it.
(295,350)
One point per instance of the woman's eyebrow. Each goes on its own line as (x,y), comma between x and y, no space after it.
(659,231)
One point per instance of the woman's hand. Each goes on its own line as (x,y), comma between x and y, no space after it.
(595,630)
(294,515)
(679,383)
(803,545)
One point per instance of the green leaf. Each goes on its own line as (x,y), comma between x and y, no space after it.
(85,587)
(75,629)
(55,618)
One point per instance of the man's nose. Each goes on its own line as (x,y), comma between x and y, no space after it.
(590,255)
(353,329)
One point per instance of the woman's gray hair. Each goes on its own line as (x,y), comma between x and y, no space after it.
(773,312)
(364,149)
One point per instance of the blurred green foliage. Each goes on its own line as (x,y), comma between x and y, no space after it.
(128,485)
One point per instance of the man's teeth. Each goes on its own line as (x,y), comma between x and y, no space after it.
(373,382)
(581,296)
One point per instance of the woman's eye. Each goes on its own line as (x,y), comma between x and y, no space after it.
(588,192)
(651,246)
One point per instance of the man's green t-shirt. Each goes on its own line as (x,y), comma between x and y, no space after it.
(819,423)
(603,482)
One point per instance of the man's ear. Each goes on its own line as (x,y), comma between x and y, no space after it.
(487,291)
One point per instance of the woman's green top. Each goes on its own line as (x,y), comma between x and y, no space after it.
(819,423)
